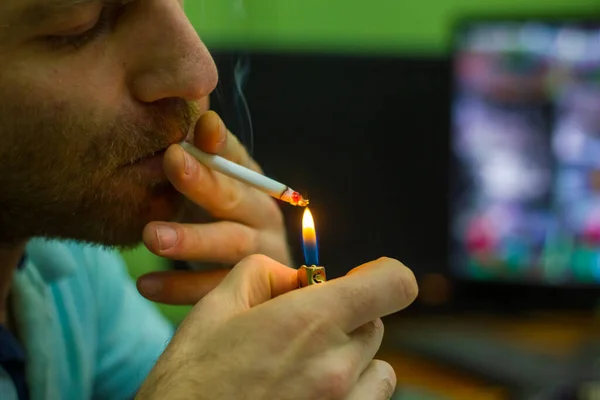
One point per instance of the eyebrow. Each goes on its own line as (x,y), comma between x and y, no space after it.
(42,10)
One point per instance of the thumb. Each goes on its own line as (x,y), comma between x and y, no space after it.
(255,280)
(179,287)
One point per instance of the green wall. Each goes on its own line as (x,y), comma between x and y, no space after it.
(140,261)
(390,26)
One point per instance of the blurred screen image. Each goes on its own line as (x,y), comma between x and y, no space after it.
(525,143)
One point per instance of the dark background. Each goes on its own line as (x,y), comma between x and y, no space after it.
(366,140)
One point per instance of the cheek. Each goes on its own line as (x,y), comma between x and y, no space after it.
(49,95)
(40,120)
(67,106)
(51,113)
(92,82)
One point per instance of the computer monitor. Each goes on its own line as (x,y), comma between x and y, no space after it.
(525,150)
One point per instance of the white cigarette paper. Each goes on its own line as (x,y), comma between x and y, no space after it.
(252,178)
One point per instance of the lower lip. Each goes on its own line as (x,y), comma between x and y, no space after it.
(152,165)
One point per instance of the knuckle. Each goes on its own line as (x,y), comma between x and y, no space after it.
(374,329)
(335,384)
(231,197)
(387,384)
(245,244)
(255,261)
(386,389)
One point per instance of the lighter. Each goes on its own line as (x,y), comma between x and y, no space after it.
(312,275)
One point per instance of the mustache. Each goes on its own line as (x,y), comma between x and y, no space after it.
(131,139)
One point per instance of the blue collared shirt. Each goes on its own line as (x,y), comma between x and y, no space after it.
(86,331)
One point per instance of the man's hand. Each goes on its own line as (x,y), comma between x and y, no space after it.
(254,337)
(229,220)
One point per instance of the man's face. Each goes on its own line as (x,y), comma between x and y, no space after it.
(87,89)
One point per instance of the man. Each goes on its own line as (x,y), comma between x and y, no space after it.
(93,97)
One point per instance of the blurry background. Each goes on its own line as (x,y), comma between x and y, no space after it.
(458,136)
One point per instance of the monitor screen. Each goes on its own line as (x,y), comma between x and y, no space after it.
(525,146)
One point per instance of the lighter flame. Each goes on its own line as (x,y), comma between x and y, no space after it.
(307,220)
(309,235)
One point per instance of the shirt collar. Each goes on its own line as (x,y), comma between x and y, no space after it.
(51,258)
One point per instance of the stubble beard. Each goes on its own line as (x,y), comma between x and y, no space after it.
(66,178)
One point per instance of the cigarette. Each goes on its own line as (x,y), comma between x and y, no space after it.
(312,275)
(252,178)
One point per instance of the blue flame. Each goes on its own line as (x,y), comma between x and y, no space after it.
(311,253)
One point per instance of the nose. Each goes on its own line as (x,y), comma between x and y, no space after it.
(167,56)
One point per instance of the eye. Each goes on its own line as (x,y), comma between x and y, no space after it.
(103,25)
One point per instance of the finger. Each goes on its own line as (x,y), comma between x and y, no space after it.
(221,196)
(377,382)
(364,344)
(179,287)
(253,281)
(222,242)
(355,355)
(376,289)
(212,136)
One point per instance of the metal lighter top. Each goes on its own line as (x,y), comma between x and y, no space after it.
(312,275)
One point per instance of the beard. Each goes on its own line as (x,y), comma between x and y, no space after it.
(69,177)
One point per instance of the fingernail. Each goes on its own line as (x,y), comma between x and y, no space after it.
(150,287)
(167,237)
(189,163)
